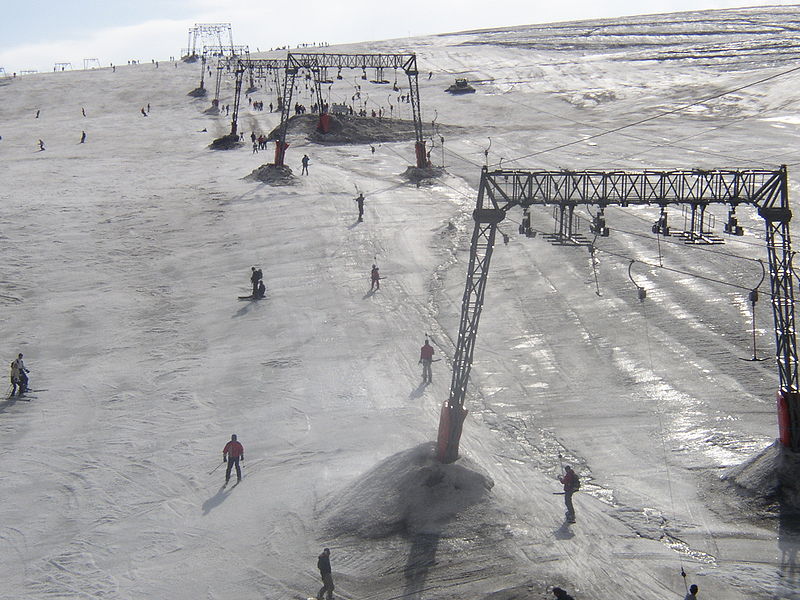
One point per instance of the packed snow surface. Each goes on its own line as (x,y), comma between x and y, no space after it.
(122,260)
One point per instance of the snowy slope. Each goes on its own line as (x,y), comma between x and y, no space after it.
(123,257)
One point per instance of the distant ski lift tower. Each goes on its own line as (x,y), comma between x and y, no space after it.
(503,189)
(91,63)
(62,66)
(202,34)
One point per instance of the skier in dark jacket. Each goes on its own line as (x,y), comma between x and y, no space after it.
(255,276)
(359,200)
(233,453)
(561,594)
(375,278)
(324,566)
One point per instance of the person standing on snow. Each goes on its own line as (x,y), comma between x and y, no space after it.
(324,566)
(18,366)
(14,377)
(375,278)
(570,481)
(359,200)
(232,454)
(692,595)
(426,358)
(262,289)
(305,165)
(255,276)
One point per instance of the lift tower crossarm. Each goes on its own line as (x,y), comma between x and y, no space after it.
(501,190)
(622,188)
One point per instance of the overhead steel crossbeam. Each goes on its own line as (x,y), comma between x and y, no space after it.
(258,68)
(407,62)
(622,188)
(501,190)
(317,63)
(229,51)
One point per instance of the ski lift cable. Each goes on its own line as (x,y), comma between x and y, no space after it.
(705,132)
(656,146)
(661,431)
(660,114)
(679,271)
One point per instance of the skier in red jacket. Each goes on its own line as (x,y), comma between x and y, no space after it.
(426,358)
(233,453)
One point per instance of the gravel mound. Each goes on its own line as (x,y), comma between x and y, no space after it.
(410,493)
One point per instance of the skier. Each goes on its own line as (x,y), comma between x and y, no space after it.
(144,114)
(305,165)
(83,111)
(233,453)
(324,566)
(22,378)
(83,137)
(561,594)
(375,278)
(571,485)
(262,289)
(255,276)
(14,377)
(426,358)
(692,595)
(359,200)
(41,146)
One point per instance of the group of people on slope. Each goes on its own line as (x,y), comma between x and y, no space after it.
(19,376)
(257,279)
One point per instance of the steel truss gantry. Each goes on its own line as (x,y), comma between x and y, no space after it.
(216,32)
(258,68)
(318,63)
(502,190)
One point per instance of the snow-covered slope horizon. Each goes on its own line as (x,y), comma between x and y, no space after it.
(123,258)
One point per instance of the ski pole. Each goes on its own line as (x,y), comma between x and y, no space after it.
(217,467)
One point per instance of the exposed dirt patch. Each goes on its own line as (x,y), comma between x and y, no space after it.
(273,174)
(226,142)
(351,129)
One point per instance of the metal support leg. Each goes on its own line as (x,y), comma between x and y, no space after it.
(453,413)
